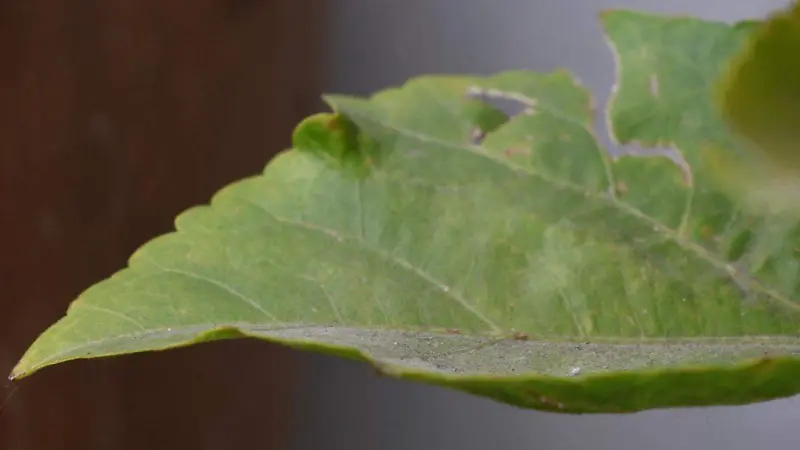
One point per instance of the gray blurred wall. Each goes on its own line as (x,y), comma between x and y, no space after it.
(378,43)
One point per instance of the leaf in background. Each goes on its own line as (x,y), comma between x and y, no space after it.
(424,231)
(761,89)
(760,99)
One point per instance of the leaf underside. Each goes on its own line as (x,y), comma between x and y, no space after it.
(506,255)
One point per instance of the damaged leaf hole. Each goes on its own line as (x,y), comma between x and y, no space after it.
(511,104)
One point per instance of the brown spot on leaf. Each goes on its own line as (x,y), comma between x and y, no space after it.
(520,336)
(333,123)
(544,400)
(517,151)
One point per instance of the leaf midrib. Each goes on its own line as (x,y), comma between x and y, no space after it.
(257,329)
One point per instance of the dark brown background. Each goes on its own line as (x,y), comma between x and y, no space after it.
(115,115)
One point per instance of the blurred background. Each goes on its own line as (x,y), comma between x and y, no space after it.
(115,115)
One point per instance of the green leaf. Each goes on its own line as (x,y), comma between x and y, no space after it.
(760,99)
(761,89)
(426,232)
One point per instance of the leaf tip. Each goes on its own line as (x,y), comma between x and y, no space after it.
(610,14)
(19,371)
(604,14)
